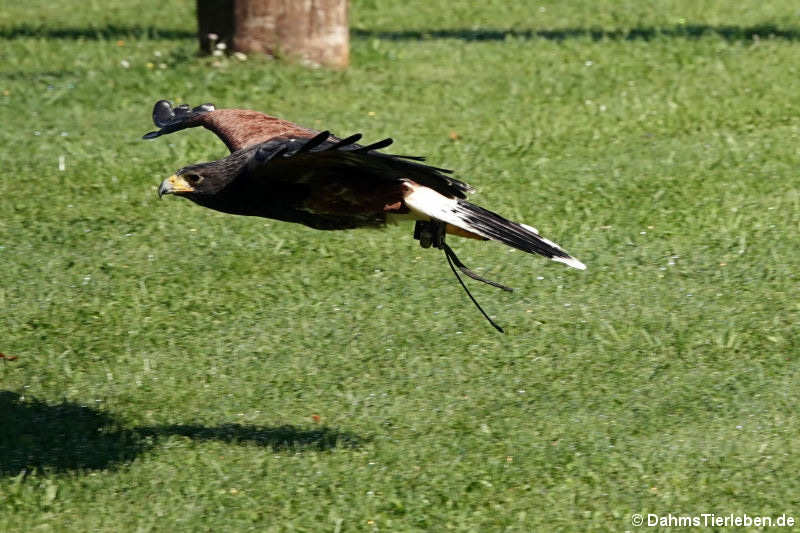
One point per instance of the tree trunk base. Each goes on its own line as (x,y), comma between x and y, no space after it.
(311,31)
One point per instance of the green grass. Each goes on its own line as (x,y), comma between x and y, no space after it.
(183,370)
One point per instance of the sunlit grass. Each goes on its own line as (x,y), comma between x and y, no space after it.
(180,369)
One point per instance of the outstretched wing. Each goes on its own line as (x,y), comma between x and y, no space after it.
(326,155)
(237,128)
(171,119)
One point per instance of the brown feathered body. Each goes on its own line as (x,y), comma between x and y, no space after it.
(283,171)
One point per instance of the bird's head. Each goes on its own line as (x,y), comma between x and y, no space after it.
(203,179)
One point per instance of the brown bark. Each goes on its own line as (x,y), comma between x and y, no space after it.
(312,31)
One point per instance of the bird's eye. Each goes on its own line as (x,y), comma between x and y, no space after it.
(193,179)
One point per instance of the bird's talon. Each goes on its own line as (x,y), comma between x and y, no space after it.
(429,233)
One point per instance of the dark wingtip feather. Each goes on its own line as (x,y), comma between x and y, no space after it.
(349,141)
(170,118)
(163,113)
(315,141)
(272,149)
(422,159)
(325,145)
(376,146)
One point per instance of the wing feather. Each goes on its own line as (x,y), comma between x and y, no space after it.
(289,155)
(237,128)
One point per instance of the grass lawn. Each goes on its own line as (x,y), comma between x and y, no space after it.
(183,370)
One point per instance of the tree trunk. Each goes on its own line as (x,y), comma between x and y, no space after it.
(312,31)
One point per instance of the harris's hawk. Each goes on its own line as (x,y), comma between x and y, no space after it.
(283,171)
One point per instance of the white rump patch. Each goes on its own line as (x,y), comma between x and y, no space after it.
(425,202)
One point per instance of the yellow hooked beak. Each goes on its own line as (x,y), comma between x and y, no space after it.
(174,185)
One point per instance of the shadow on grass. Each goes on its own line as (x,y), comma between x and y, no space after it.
(684,31)
(67,436)
(289,438)
(60,437)
(103,33)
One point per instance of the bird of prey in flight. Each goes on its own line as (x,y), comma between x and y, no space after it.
(283,171)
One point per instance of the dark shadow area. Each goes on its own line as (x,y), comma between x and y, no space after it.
(68,436)
(684,31)
(61,437)
(278,438)
(104,33)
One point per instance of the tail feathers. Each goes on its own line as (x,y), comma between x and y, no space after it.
(519,236)
(485,223)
